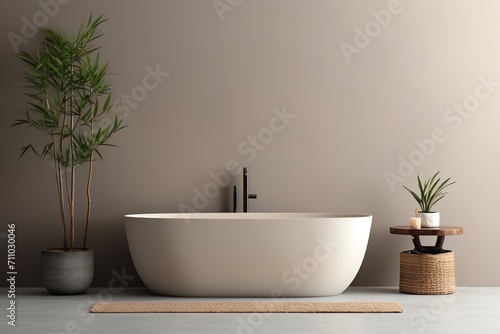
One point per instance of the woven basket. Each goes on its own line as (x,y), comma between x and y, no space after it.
(427,274)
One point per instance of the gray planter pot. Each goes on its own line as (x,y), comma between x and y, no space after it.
(67,272)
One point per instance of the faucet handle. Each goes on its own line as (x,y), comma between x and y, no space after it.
(235,198)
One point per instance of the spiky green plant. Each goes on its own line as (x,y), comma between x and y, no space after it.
(68,95)
(431,191)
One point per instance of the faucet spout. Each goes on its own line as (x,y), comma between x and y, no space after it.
(246,195)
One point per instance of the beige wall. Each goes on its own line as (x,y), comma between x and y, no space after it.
(356,114)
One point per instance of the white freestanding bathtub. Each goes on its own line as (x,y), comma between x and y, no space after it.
(247,254)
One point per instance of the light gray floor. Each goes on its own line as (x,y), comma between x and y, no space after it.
(469,310)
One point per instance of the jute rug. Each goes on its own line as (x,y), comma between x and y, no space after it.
(246,307)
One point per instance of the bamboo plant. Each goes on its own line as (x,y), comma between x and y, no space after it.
(69,97)
(431,191)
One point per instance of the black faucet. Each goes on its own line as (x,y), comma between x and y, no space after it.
(246,195)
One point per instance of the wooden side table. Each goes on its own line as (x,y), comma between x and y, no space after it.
(427,269)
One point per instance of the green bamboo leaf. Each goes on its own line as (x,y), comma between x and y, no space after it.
(27,148)
(106,105)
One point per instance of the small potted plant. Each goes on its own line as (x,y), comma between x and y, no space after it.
(431,192)
(68,99)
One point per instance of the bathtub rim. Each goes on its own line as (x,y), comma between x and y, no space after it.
(247,215)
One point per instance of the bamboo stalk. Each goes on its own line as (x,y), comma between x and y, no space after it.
(73,169)
(89,201)
(60,190)
(59,185)
(60,196)
(72,210)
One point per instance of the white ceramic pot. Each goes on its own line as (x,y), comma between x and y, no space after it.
(429,219)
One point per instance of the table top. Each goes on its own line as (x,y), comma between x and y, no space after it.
(441,230)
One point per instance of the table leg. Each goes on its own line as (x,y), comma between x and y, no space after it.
(417,244)
(439,242)
(436,249)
